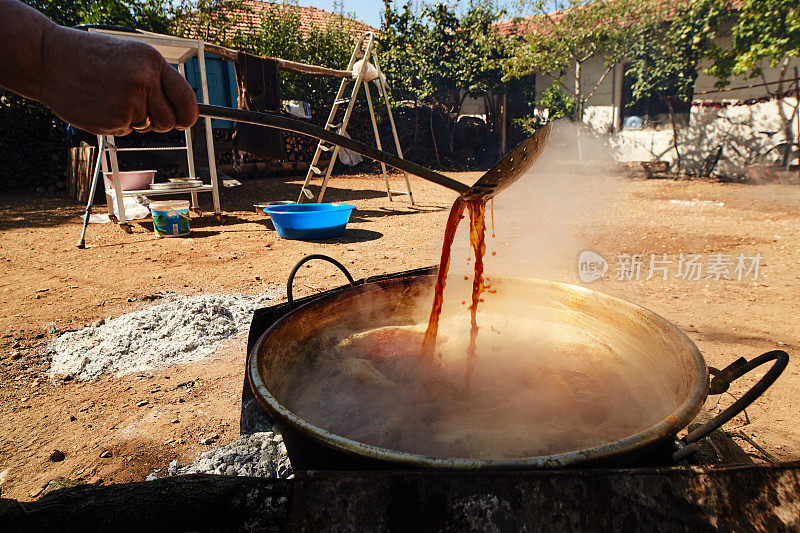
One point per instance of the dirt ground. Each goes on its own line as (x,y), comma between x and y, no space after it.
(146,420)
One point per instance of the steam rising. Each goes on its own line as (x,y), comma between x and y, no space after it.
(549,216)
(548,377)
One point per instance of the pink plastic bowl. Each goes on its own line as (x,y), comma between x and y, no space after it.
(131,180)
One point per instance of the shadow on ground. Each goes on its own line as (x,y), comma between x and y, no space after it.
(351,236)
(751,345)
(29,210)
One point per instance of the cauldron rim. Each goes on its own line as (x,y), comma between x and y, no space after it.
(666,428)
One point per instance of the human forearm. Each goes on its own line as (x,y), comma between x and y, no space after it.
(24,33)
(93,81)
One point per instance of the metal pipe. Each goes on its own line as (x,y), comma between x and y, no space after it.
(95,178)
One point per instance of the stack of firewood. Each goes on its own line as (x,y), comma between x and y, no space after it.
(299,147)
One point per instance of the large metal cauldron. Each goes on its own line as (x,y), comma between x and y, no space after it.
(367,305)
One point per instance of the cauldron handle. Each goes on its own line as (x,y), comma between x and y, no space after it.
(720,383)
(290,281)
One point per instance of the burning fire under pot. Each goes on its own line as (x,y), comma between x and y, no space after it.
(652,480)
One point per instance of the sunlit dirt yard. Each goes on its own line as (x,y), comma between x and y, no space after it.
(146,420)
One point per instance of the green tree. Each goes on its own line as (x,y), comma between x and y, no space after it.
(664,56)
(33,138)
(437,56)
(481,58)
(150,15)
(560,37)
(279,35)
(765,33)
(210,20)
(400,31)
(558,104)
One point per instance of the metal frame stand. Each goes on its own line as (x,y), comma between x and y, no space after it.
(95,177)
(368,53)
(177,51)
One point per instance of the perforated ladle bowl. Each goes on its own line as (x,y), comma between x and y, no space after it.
(501,175)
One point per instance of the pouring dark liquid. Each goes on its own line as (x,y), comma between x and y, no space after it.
(477,238)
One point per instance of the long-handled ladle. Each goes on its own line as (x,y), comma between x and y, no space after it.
(501,175)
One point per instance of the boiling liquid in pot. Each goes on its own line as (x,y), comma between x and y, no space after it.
(536,389)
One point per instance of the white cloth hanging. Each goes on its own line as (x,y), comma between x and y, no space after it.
(370,72)
(348,157)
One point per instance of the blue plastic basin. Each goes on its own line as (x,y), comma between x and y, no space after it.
(309,221)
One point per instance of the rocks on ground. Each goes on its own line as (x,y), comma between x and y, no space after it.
(57,456)
(258,455)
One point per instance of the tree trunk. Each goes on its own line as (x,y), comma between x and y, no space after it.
(578,95)
(416,124)
(503,123)
(788,136)
(674,124)
(433,136)
(598,499)
(786,122)
(797,116)
(452,130)
(197,502)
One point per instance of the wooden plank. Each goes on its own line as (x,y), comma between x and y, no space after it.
(79,173)
(740,498)
(221,51)
(185,503)
(312,70)
(285,64)
(743,498)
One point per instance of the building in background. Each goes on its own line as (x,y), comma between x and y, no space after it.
(742,119)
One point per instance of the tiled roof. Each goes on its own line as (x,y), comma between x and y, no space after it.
(247,18)
(513,27)
(521,26)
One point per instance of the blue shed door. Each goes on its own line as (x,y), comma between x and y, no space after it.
(221,79)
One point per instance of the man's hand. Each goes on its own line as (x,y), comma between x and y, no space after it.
(95,82)
(105,85)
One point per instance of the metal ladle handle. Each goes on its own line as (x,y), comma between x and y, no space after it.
(306,259)
(720,383)
(280,122)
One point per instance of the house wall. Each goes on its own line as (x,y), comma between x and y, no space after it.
(705,82)
(643,145)
(740,129)
(602,109)
(744,132)
(475,107)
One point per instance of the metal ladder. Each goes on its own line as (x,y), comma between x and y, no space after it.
(359,52)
